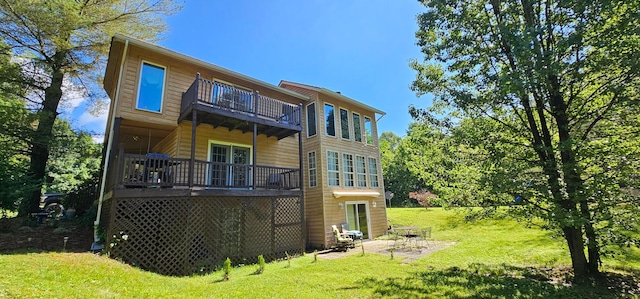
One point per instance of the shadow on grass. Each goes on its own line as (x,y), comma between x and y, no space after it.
(482,281)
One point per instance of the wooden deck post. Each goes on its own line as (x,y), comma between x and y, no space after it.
(112,155)
(254,172)
(301,174)
(194,119)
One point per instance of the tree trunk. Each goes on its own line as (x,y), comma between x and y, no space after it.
(592,243)
(573,236)
(42,137)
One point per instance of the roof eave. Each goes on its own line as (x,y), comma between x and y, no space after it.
(334,94)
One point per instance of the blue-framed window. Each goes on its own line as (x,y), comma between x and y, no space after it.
(151,87)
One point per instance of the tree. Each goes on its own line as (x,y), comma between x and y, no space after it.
(551,82)
(14,119)
(67,41)
(397,176)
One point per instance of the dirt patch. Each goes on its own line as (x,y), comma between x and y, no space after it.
(406,254)
(19,234)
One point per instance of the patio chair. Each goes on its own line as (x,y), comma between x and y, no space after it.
(343,242)
(353,234)
(425,237)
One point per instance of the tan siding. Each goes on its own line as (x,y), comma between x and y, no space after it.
(322,208)
(168,145)
(269,151)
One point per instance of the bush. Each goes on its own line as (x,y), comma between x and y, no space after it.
(261,264)
(227,268)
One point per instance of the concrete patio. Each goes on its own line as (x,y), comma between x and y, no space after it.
(405,254)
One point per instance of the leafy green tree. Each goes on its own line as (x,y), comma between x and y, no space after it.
(446,167)
(553,83)
(74,159)
(398,178)
(14,121)
(67,41)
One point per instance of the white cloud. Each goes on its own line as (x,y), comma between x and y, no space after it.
(87,118)
(98,138)
(73,95)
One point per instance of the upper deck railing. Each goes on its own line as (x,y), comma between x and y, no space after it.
(238,100)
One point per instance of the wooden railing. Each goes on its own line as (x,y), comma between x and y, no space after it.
(142,171)
(230,98)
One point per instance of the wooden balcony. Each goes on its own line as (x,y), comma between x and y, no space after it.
(160,171)
(226,106)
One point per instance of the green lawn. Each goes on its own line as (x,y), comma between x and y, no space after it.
(491,259)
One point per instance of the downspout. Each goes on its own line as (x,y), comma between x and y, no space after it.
(96,224)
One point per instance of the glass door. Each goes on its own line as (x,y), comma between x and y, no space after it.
(219,159)
(230,166)
(240,173)
(357,218)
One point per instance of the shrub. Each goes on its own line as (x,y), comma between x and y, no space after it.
(261,264)
(288,259)
(227,268)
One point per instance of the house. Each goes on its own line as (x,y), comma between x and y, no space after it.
(202,163)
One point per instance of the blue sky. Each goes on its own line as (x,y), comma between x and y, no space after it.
(360,48)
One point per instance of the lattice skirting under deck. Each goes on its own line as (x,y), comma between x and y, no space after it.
(186,235)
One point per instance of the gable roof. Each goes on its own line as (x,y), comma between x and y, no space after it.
(334,94)
(168,52)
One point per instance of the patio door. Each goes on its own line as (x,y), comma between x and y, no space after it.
(230,167)
(358,217)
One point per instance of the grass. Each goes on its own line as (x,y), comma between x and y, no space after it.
(491,259)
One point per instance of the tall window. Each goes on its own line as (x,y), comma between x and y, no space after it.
(311,120)
(357,128)
(373,173)
(347,169)
(150,87)
(367,129)
(330,120)
(333,170)
(361,171)
(344,123)
(313,172)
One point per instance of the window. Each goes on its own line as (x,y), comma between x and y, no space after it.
(361,171)
(330,121)
(344,123)
(313,172)
(347,169)
(357,128)
(151,87)
(311,120)
(373,173)
(333,172)
(367,129)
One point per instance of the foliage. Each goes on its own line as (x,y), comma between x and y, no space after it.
(62,46)
(398,177)
(475,267)
(261,264)
(547,94)
(14,118)
(424,198)
(288,259)
(227,269)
